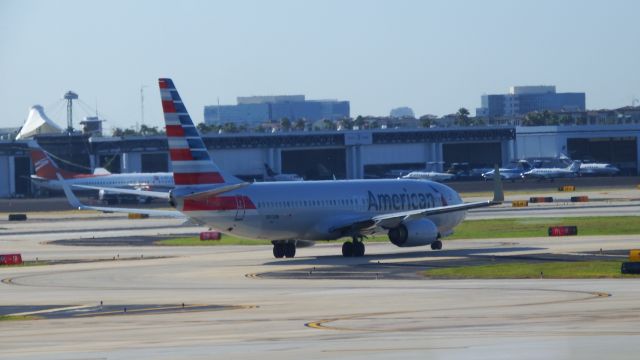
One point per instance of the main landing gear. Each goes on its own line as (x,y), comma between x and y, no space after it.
(353,248)
(436,245)
(284,249)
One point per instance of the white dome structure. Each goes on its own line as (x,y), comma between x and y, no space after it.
(37,123)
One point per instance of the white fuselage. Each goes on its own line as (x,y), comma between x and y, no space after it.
(598,169)
(505,173)
(429,175)
(129,180)
(316,210)
(549,173)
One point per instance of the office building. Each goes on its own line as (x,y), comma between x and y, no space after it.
(522,100)
(260,109)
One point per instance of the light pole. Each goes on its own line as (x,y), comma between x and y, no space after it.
(142,105)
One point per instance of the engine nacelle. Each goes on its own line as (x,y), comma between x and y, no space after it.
(414,233)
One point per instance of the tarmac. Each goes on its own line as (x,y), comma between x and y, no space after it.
(238,302)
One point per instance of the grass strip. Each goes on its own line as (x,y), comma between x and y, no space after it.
(476,229)
(16,317)
(599,269)
(535,227)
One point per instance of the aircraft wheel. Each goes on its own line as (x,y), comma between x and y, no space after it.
(347,249)
(289,250)
(436,245)
(278,250)
(358,248)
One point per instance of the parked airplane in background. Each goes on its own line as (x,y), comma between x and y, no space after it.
(290,214)
(598,169)
(273,176)
(513,172)
(429,175)
(552,173)
(46,169)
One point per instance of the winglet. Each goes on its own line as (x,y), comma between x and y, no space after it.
(71,198)
(498,191)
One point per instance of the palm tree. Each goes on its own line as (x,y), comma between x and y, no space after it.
(462,117)
(328,124)
(285,124)
(299,125)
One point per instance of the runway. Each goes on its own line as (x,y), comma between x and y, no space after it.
(241,303)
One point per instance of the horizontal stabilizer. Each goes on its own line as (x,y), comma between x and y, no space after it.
(154,194)
(74,202)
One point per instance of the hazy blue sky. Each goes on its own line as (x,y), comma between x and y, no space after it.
(434,56)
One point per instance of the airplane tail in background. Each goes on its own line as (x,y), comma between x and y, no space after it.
(269,170)
(190,159)
(44,165)
(575,166)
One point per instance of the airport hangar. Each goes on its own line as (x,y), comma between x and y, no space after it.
(323,155)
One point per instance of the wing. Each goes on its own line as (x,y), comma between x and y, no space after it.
(155,194)
(74,202)
(358,226)
(367,224)
(394,219)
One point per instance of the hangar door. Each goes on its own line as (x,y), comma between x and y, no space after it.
(476,154)
(317,164)
(22,173)
(155,162)
(619,151)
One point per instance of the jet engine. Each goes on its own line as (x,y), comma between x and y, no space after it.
(414,233)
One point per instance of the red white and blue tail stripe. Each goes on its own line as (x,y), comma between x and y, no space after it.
(189,156)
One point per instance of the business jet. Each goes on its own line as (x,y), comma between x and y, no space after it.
(596,169)
(553,173)
(429,175)
(513,172)
(46,170)
(293,213)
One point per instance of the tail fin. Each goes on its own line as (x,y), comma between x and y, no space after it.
(269,170)
(44,165)
(190,159)
(575,166)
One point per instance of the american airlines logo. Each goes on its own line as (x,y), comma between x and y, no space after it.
(41,163)
(400,201)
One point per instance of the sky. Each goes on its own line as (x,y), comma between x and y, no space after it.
(433,56)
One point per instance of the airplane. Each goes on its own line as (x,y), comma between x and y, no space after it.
(429,175)
(513,172)
(46,170)
(295,213)
(598,169)
(552,173)
(273,176)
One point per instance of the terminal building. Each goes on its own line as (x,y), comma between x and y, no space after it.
(255,110)
(522,100)
(327,154)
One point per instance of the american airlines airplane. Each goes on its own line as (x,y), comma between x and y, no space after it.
(295,213)
(46,170)
(552,173)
